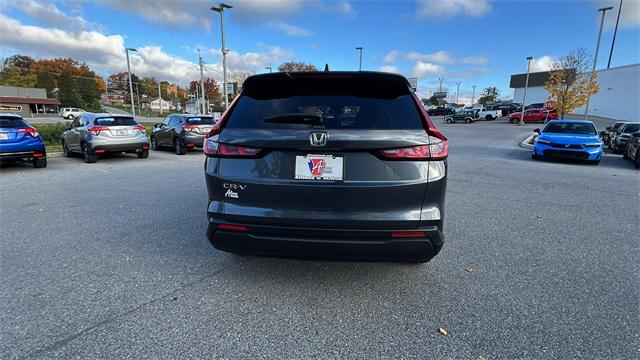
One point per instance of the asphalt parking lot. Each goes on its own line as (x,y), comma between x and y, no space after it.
(110,260)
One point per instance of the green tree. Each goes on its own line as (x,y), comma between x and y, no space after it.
(149,86)
(489,95)
(45,80)
(11,76)
(67,91)
(296,67)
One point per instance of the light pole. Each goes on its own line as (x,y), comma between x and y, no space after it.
(160,97)
(595,57)
(614,35)
(220,9)
(473,95)
(524,96)
(360,48)
(458,92)
(133,109)
(139,104)
(269,68)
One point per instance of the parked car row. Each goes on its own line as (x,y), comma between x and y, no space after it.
(534,115)
(617,136)
(93,135)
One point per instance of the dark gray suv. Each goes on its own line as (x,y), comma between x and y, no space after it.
(338,164)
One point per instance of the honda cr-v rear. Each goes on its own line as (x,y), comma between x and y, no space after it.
(338,164)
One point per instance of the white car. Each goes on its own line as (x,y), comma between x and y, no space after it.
(72,113)
(488,113)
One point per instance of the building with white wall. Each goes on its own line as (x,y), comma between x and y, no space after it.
(155,105)
(617,98)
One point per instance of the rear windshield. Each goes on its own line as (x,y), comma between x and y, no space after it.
(11,122)
(340,103)
(115,121)
(631,128)
(201,121)
(571,128)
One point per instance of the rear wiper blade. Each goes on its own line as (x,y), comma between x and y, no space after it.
(295,119)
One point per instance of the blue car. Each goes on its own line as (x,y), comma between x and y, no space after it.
(568,139)
(20,141)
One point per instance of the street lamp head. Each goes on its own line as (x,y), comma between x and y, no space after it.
(359,48)
(226,6)
(529,58)
(217,8)
(132,49)
(605,8)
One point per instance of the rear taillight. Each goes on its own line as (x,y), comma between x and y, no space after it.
(189,128)
(141,128)
(226,150)
(427,123)
(33,132)
(97,129)
(436,151)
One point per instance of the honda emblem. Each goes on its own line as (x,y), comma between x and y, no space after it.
(318,138)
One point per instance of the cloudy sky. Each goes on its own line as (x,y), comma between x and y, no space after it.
(475,42)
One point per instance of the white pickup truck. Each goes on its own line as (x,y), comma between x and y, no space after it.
(488,112)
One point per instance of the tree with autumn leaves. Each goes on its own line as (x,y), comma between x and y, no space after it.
(571,83)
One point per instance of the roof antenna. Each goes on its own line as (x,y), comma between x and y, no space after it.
(326,67)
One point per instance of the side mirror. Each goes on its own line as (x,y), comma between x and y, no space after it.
(537,131)
(155,126)
(603,133)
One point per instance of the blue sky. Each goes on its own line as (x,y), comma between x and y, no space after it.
(475,42)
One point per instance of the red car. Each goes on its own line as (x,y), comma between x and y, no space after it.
(534,115)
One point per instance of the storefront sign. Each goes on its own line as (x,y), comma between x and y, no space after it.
(10,107)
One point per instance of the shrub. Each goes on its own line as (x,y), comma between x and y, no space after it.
(50,133)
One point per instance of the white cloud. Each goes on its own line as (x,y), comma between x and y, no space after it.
(391,56)
(175,13)
(390,68)
(475,60)
(47,13)
(345,8)
(106,54)
(629,17)
(451,8)
(542,64)
(422,69)
(441,57)
(289,29)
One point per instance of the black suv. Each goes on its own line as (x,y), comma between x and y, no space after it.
(181,132)
(345,164)
(439,111)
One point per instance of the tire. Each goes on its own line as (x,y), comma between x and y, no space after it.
(40,163)
(70,117)
(625,156)
(535,157)
(143,154)
(178,147)
(594,162)
(637,160)
(65,150)
(89,158)
(154,144)
(448,120)
(467,121)
(488,117)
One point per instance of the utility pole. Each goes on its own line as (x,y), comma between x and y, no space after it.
(160,97)
(473,95)
(220,9)
(202,109)
(133,109)
(441,80)
(524,96)
(360,48)
(106,91)
(615,32)
(458,92)
(595,57)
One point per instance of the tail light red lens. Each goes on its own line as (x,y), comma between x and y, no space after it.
(141,128)
(408,234)
(227,150)
(232,227)
(31,131)
(97,129)
(190,127)
(435,151)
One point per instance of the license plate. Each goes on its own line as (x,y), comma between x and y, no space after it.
(3,136)
(319,167)
(123,132)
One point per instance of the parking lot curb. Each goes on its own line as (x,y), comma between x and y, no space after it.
(527,143)
(55,154)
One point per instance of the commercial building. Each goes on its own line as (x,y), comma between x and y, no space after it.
(617,98)
(27,102)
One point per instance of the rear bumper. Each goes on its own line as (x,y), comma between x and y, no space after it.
(194,140)
(575,154)
(135,146)
(375,244)
(22,155)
